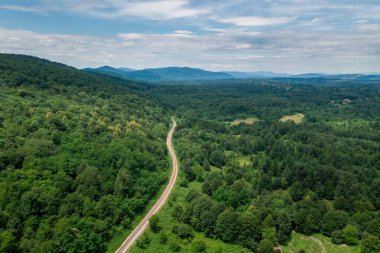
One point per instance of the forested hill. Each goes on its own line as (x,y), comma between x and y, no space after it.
(80,156)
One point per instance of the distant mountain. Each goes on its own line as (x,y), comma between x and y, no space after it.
(309,75)
(162,74)
(363,77)
(107,70)
(192,74)
(257,74)
(127,69)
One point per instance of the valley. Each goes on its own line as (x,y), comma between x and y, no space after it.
(83,161)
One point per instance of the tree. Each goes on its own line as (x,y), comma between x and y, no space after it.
(284,222)
(250,231)
(270,234)
(154,224)
(334,220)
(183,231)
(228,225)
(143,242)
(297,191)
(163,238)
(199,246)
(265,246)
(373,227)
(124,183)
(350,235)
(7,242)
(337,237)
(371,244)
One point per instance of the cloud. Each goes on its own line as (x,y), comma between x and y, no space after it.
(131,36)
(278,35)
(284,50)
(21,8)
(117,9)
(256,21)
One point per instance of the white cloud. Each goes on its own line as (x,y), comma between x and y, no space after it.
(131,36)
(164,9)
(287,51)
(117,9)
(256,21)
(21,8)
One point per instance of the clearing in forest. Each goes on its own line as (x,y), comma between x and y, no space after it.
(248,121)
(316,243)
(296,118)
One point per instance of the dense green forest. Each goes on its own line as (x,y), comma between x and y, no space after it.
(80,156)
(253,184)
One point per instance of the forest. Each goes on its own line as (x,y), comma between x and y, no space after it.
(83,154)
(253,184)
(80,156)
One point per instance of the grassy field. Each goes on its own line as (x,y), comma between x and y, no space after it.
(166,222)
(296,118)
(316,244)
(248,121)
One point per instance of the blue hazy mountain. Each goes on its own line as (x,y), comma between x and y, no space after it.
(257,74)
(191,74)
(162,74)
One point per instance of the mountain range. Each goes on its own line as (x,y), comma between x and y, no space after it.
(192,74)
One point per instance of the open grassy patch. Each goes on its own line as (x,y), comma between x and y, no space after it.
(296,118)
(316,244)
(244,161)
(248,121)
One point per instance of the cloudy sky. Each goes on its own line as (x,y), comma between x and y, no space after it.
(293,36)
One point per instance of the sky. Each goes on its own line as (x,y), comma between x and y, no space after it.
(287,36)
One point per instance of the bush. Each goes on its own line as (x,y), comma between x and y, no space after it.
(337,237)
(350,234)
(143,242)
(199,246)
(154,224)
(174,247)
(265,246)
(163,238)
(370,245)
(183,231)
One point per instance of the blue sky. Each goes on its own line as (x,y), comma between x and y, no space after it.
(293,36)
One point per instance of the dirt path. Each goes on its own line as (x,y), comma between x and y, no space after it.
(140,228)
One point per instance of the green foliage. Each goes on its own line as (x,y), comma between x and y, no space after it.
(334,220)
(183,231)
(163,238)
(143,242)
(265,246)
(371,244)
(174,247)
(351,234)
(228,225)
(313,177)
(7,242)
(199,246)
(373,227)
(80,156)
(154,223)
(337,237)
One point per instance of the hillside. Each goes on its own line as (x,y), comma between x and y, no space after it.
(80,156)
